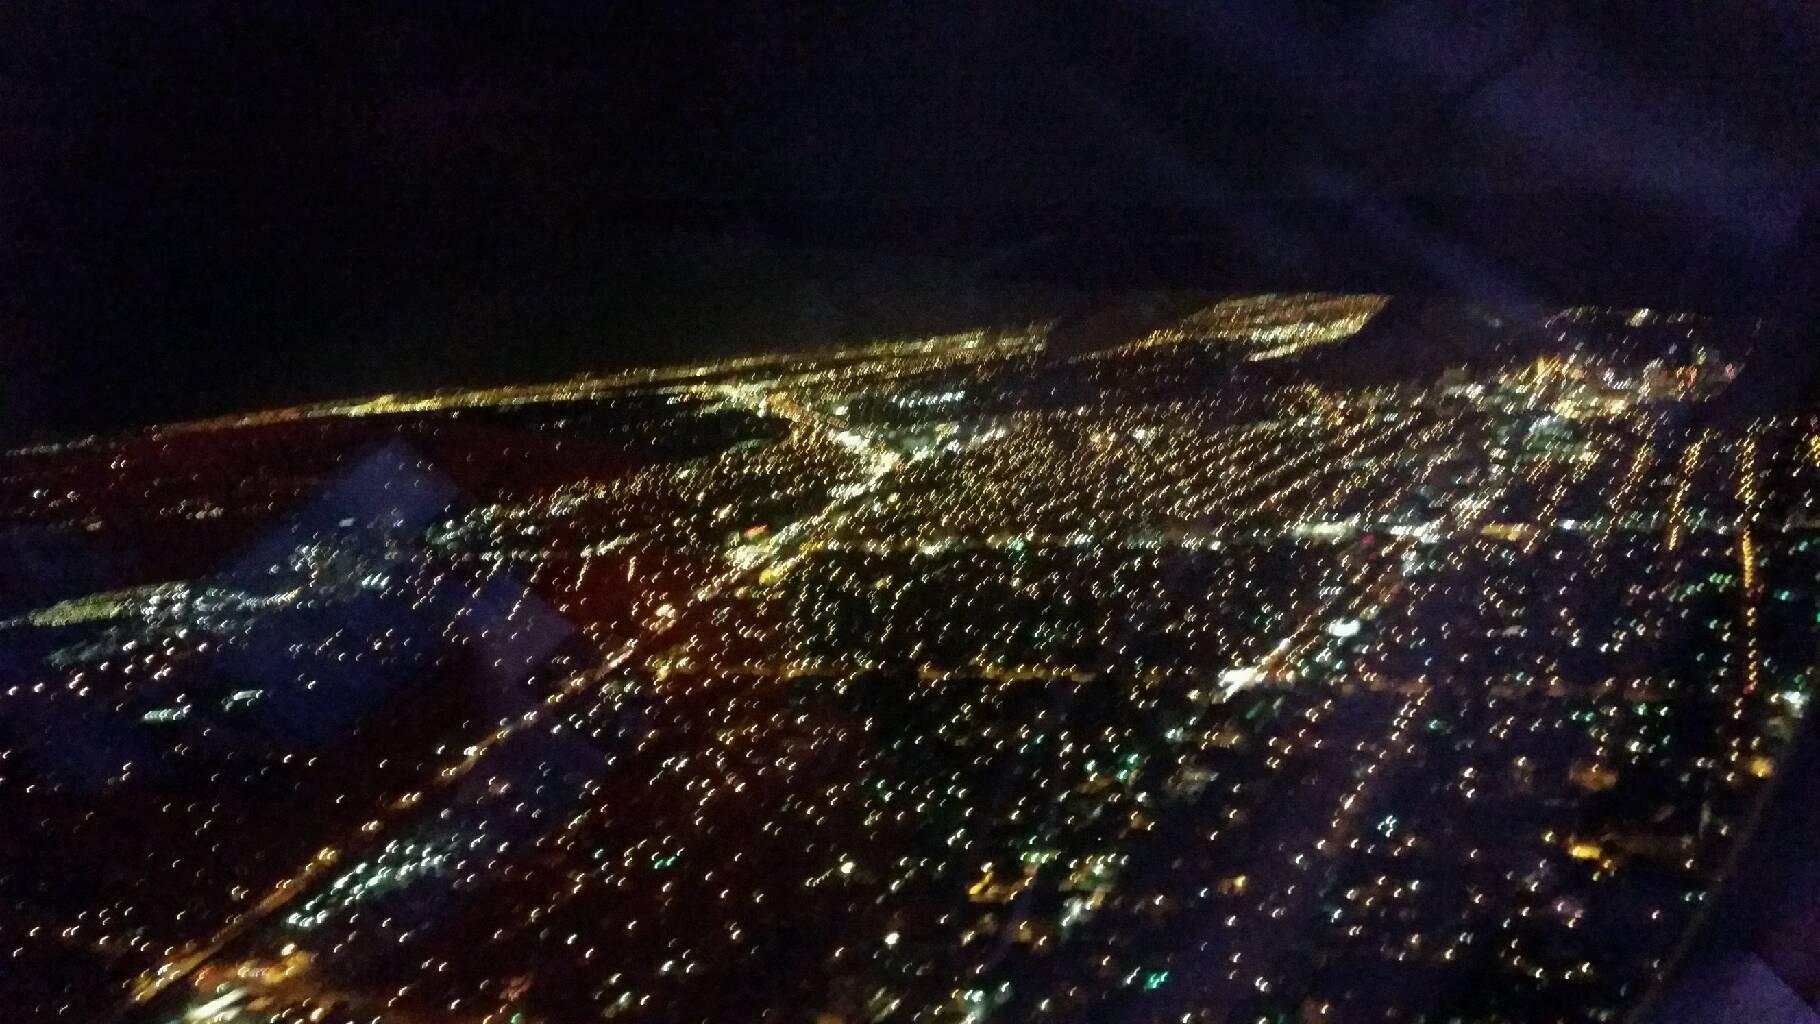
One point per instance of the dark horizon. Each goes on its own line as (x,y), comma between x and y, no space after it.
(212,210)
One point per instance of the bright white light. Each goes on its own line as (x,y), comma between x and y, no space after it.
(214,1007)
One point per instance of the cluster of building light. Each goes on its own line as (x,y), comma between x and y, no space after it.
(918,685)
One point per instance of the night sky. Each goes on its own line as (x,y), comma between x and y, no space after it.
(207,207)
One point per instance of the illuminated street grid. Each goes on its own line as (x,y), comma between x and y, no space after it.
(930,681)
